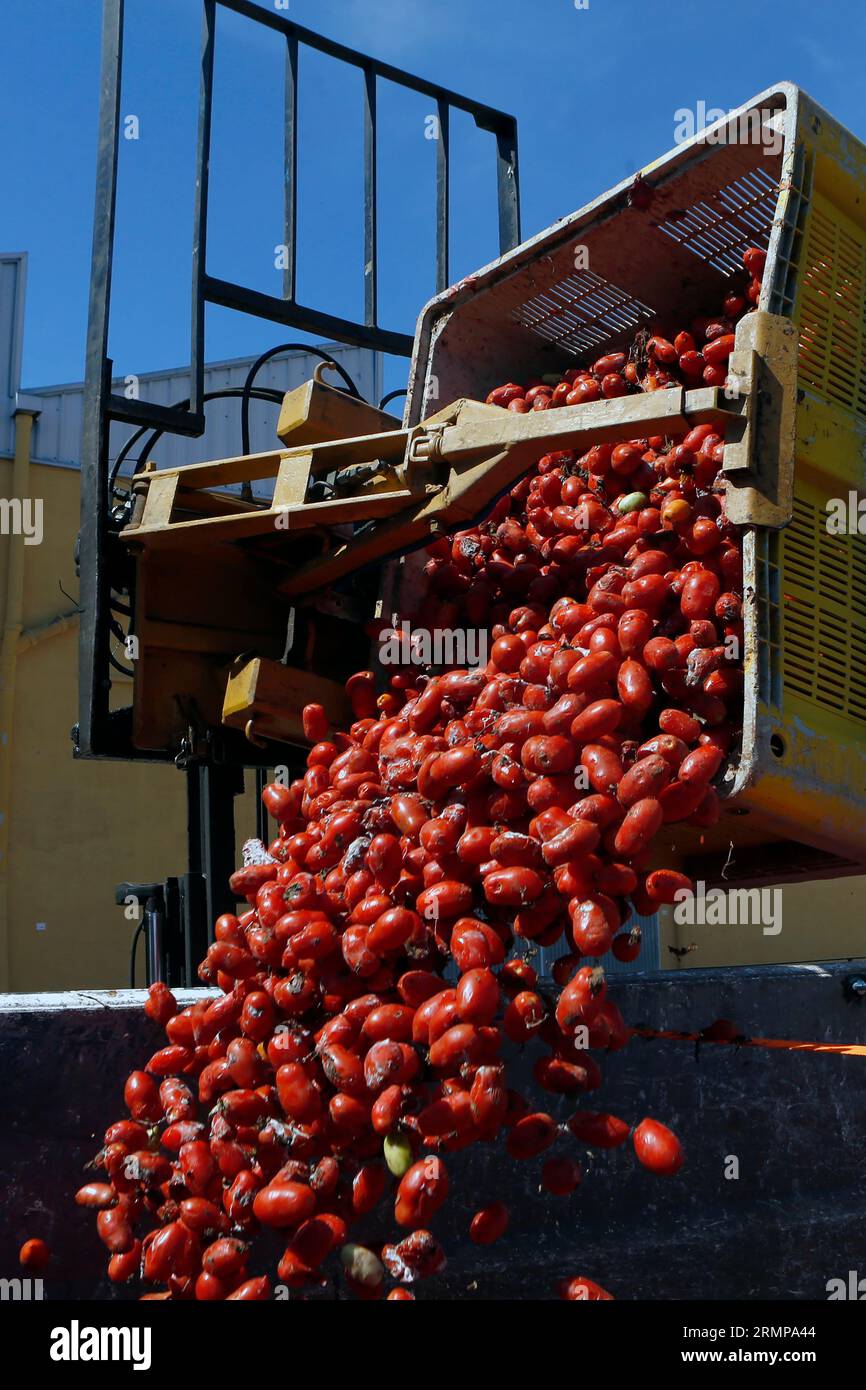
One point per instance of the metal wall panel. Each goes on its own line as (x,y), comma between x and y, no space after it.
(13,275)
(57,436)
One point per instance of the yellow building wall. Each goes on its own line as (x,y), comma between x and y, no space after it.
(824,920)
(75,829)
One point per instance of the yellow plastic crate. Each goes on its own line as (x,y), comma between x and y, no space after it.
(805,771)
(623,262)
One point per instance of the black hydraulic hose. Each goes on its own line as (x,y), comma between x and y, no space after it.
(139,931)
(266,357)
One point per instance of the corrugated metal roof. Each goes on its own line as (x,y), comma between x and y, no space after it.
(57,434)
(13,274)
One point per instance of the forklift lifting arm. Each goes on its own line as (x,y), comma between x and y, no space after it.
(405,485)
(344,501)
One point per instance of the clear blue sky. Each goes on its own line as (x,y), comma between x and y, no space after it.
(594,90)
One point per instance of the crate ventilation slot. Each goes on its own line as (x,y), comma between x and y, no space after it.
(720,228)
(833,312)
(824,613)
(582,311)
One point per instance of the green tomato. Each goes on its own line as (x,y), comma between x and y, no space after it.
(632,502)
(398,1154)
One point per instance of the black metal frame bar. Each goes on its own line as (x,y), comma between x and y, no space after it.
(288,311)
(99,732)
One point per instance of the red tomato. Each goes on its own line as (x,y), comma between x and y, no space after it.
(489,1224)
(35,1254)
(658,1148)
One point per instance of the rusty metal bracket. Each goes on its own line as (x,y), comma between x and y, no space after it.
(759,460)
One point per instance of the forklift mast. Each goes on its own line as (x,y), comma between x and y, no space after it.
(214,758)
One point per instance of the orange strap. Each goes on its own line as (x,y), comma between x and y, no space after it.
(786,1044)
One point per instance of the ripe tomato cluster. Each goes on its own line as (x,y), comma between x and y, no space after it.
(380,972)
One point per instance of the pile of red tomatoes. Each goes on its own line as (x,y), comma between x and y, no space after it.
(380,972)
